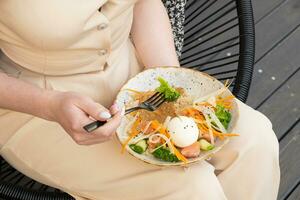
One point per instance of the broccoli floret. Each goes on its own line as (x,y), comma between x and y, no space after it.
(165,155)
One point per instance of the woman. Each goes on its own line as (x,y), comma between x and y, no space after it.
(63,62)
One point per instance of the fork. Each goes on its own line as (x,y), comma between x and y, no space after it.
(151,104)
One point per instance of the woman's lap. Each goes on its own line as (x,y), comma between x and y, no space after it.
(43,151)
(251,168)
(99,171)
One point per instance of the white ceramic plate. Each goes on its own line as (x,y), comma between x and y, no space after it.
(195,83)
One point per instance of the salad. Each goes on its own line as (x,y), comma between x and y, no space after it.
(182,127)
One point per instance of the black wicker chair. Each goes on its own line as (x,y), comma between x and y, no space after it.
(219,40)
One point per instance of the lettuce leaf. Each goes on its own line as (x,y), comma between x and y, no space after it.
(223,115)
(170,93)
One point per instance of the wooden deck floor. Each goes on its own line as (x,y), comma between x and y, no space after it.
(275,89)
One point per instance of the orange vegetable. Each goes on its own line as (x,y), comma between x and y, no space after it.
(194,113)
(155,124)
(205,104)
(178,154)
(226,101)
(230,134)
(162,130)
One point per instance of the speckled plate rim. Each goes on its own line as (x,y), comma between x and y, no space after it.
(205,155)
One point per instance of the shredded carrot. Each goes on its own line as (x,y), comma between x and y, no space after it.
(226,101)
(155,124)
(160,128)
(134,91)
(218,134)
(178,154)
(204,104)
(198,121)
(202,125)
(230,134)
(194,113)
(204,128)
(133,132)
(228,98)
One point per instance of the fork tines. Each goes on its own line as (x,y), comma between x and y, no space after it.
(155,100)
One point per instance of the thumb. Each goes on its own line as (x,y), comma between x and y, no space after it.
(96,111)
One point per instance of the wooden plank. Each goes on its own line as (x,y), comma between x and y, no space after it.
(268,34)
(275,27)
(274,69)
(283,108)
(201,50)
(296,194)
(263,7)
(290,162)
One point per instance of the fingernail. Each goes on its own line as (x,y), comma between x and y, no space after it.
(115,107)
(105,115)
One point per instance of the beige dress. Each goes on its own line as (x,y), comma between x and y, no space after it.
(68,45)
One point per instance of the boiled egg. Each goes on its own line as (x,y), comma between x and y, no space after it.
(183,131)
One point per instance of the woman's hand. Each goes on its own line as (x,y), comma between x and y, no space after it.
(72,111)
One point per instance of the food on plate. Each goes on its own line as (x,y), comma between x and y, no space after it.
(180,129)
(205,145)
(170,93)
(183,131)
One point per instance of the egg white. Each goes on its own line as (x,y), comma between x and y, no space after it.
(183,131)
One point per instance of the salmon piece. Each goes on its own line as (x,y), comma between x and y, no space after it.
(191,151)
(153,145)
(206,137)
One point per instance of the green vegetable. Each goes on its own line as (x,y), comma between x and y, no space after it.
(140,147)
(143,144)
(223,115)
(165,154)
(205,146)
(170,93)
(136,149)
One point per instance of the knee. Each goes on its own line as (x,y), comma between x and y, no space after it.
(263,137)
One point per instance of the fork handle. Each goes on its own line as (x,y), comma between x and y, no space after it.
(93,126)
(96,124)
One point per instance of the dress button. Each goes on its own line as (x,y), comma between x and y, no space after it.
(101,26)
(102,52)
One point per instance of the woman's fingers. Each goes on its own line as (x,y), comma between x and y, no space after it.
(114,122)
(95,110)
(114,108)
(110,127)
(73,111)
(101,134)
